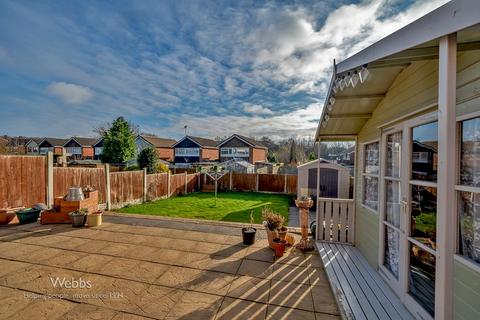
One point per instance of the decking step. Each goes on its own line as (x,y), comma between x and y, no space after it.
(359,290)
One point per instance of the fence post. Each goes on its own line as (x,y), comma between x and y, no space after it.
(144,184)
(285,185)
(50,179)
(186,182)
(231,181)
(169,186)
(107,186)
(199,176)
(256,188)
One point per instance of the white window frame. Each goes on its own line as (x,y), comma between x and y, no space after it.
(234,152)
(459,257)
(98,151)
(74,150)
(187,152)
(371,175)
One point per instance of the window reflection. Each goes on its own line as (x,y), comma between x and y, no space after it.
(392,206)
(425,152)
(394,143)
(424,215)
(371,162)
(470,225)
(421,280)
(470,163)
(370,192)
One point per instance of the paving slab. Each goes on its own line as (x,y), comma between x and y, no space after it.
(141,267)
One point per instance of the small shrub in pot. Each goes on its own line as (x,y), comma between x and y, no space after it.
(248,233)
(78,217)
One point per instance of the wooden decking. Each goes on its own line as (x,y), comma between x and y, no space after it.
(360,291)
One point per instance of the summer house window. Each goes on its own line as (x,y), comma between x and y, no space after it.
(468,190)
(370,170)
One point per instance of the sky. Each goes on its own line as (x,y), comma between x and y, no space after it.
(220,67)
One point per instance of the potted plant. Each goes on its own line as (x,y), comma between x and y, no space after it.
(86,191)
(273,222)
(78,217)
(94,219)
(282,233)
(279,246)
(248,233)
(304,202)
(28,215)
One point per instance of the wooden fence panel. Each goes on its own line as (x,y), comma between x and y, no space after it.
(157,185)
(177,184)
(192,182)
(291,184)
(126,187)
(64,178)
(22,181)
(271,182)
(244,181)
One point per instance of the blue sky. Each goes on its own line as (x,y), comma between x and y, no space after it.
(220,67)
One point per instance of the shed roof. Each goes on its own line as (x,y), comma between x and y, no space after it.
(347,107)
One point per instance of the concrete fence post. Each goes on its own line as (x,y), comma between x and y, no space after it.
(231,181)
(186,182)
(199,176)
(256,188)
(50,179)
(145,185)
(169,187)
(285,185)
(107,187)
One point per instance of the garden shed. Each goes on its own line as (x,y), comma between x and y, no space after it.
(334,179)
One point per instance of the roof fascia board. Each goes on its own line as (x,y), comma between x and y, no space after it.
(449,18)
(187,137)
(235,136)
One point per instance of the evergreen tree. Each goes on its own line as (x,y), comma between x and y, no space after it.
(148,158)
(119,142)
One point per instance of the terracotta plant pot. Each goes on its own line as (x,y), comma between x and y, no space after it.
(279,246)
(94,219)
(283,233)
(8,215)
(270,236)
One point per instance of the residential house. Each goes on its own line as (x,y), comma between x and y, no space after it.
(238,147)
(190,150)
(32,146)
(163,146)
(97,149)
(79,148)
(54,145)
(411,103)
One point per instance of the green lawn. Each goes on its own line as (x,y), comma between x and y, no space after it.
(231,206)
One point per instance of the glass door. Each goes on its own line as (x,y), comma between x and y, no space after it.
(392,216)
(408,206)
(422,217)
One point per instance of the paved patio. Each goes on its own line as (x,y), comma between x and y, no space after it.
(155,268)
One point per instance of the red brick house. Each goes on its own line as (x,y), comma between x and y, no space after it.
(242,148)
(78,148)
(163,146)
(195,149)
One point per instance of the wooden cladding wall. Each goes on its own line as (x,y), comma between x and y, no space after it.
(271,182)
(157,186)
(64,178)
(22,181)
(126,187)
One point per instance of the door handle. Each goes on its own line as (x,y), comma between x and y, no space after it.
(404,206)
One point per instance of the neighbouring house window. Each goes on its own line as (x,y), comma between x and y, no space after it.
(98,151)
(371,165)
(469,190)
(187,152)
(74,150)
(44,150)
(235,152)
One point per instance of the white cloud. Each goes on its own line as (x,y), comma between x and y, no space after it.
(70,93)
(256,109)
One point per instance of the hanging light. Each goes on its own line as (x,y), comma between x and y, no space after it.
(354,79)
(347,80)
(363,74)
